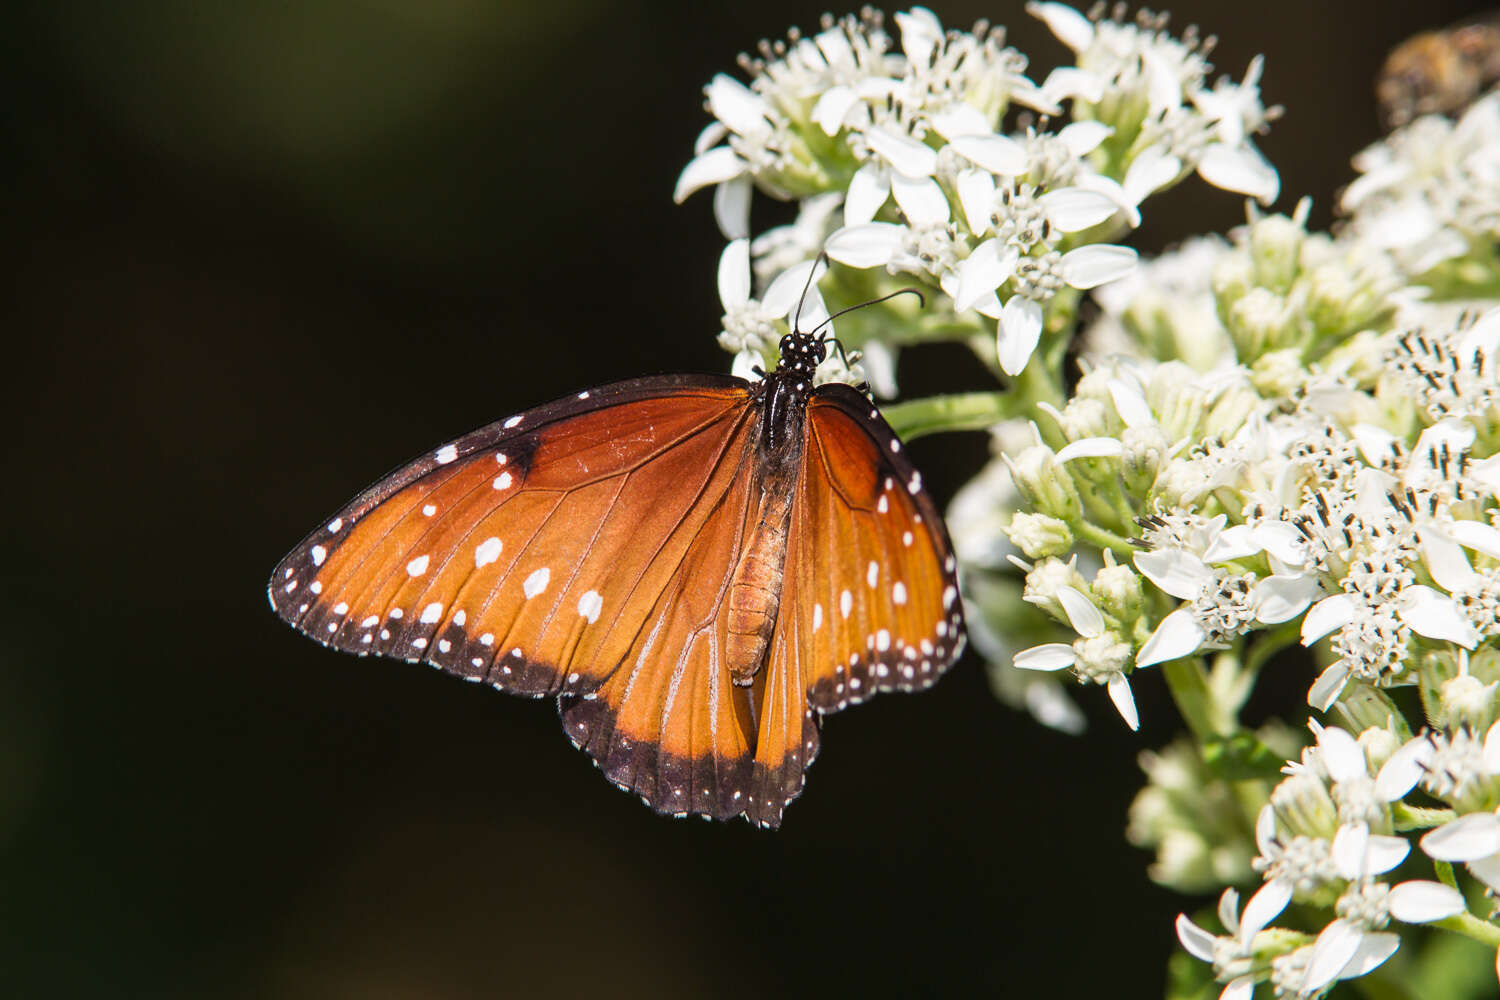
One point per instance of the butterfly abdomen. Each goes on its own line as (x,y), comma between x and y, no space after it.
(755,594)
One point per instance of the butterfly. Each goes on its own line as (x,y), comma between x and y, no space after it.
(698,567)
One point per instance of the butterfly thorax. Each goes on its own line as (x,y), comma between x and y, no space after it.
(755,590)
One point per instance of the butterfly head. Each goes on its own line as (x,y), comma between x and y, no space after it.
(801,353)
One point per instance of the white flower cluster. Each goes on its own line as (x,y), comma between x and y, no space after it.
(1279,439)
(1278,435)
(904,168)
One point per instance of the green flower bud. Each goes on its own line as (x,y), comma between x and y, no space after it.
(1260,321)
(1364,707)
(1045,483)
(1468,701)
(1177,400)
(1147,449)
(1278,374)
(1118,592)
(1275,246)
(1304,807)
(1044,581)
(1038,535)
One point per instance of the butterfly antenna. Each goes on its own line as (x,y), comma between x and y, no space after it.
(806,287)
(871,302)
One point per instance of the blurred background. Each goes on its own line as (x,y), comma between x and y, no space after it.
(261,252)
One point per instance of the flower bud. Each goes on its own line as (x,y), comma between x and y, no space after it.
(1261,321)
(1045,483)
(1117,589)
(1275,245)
(1468,701)
(1177,399)
(1044,581)
(1278,373)
(1304,807)
(1038,535)
(1146,451)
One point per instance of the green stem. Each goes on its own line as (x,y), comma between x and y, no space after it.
(1471,926)
(964,411)
(1103,538)
(1188,684)
(1418,818)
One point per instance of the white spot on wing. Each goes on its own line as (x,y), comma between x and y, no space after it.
(318,555)
(536,582)
(428,509)
(872,573)
(370,622)
(513,421)
(431,613)
(444,645)
(502,481)
(446,454)
(589,605)
(846,603)
(895,445)
(316,588)
(817,616)
(335,524)
(417,566)
(898,592)
(487,551)
(419,643)
(915,484)
(341,608)
(459,617)
(488,639)
(883,504)
(906,539)
(584,394)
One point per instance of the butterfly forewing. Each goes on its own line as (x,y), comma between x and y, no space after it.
(870,598)
(525,554)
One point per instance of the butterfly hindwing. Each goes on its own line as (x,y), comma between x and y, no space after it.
(870,598)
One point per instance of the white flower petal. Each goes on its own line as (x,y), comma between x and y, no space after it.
(1334,611)
(736,105)
(1445,558)
(1265,829)
(1372,952)
(1282,541)
(1131,403)
(1491,750)
(1240,169)
(1384,853)
(1163,87)
(1478,536)
(867,245)
(1487,870)
(1342,755)
(713,133)
(1082,138)
(1071,28)
(1419,901)
(1436,616)
(920,31)
(983,271)
(1048,656)
(960,119)
(1098,447)
(1119,693)
(1195,940)
(999,154)
(976,193)
(1348,850)
(1149,173)
(732,207)
(1333,950)
(1280,598)
(1239,988)
(921,199)
(744,365)
(734,275)
(713,167)
(1235,542)
(1082,615)
(785,290)
(1019,329)
(1096,263)
(1174,571)
(1073,209)
(868,190)
(1067,82)
(1467,838)
(833,108)
(1403,769)
(1178,635)
(1229,909)
(1328,686)
(1265,906)
(905,154)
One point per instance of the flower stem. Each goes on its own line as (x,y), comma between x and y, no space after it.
(964,411)
(1188,684)
(1419,818)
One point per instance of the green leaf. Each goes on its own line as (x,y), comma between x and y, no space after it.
(1241,757)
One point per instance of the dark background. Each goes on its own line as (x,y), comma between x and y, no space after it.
(260,252)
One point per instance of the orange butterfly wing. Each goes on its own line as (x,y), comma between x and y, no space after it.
(870,599)
(572,550)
